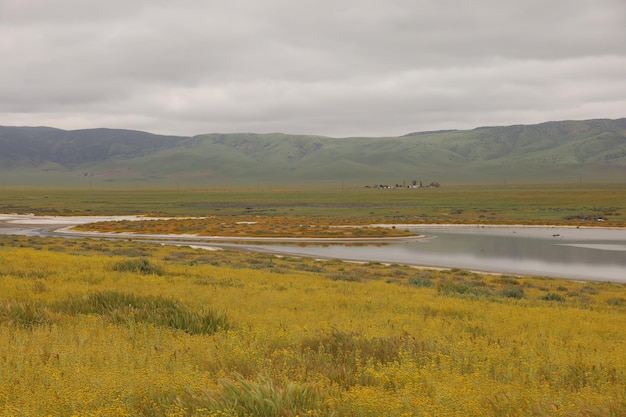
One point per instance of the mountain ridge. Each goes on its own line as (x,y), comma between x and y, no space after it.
(550,151)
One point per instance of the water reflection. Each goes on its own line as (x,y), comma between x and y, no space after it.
(557,252)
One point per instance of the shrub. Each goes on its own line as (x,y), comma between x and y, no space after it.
(587,289)
(419,281)
(506,280)
(512,292)
(141,265)
(309,268)
(617,301)
(130,252)
(345,277)
(552,297)
(464,288)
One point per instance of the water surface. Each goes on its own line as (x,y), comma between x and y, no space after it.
(583,253)
(569,252)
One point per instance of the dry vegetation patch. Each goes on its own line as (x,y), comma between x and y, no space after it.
(251,226)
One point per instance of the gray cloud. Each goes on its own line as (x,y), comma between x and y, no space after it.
(342,67)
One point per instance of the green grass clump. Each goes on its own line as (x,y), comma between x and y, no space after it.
(119,307)
(463,288)
(260,398)
(116,307)
(341,355)
(23,313)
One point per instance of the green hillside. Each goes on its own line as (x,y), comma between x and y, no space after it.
(552,152)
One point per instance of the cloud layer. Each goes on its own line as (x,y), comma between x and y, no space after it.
(339,68)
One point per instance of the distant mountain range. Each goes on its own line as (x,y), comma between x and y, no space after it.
(564,151)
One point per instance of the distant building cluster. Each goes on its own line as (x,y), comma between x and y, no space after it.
(414,184)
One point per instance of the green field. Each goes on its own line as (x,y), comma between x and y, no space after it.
(536,204)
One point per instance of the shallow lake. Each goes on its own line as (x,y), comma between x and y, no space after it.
(589,253)
(568,252)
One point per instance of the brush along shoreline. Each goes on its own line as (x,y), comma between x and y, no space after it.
(61,226)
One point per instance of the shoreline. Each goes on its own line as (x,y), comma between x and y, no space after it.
(66,222)
(603,239)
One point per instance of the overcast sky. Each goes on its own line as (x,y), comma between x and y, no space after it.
(327,67)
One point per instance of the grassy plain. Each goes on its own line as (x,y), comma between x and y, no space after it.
(113,328)
(116,328)
(530,204)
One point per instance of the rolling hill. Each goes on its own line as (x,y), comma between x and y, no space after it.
(564,151)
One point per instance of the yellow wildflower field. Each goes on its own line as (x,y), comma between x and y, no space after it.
(111,328)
